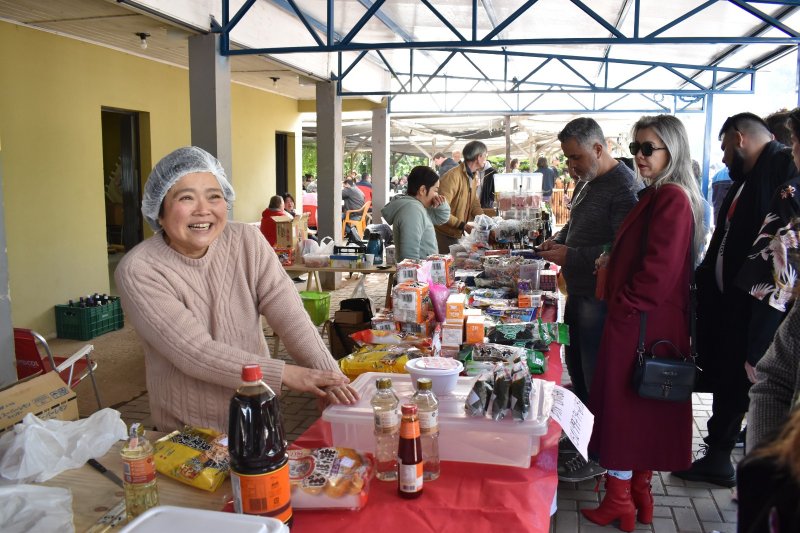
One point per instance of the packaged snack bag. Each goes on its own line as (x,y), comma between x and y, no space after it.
(195,456)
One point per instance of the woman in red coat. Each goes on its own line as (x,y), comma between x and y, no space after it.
(646,274)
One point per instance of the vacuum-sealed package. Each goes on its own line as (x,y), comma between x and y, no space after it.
(329,478)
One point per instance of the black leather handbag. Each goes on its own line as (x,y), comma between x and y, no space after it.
(670,378)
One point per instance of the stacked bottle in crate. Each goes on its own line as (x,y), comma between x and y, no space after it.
(88,316)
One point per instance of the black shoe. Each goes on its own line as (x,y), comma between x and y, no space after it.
(714,467)
(298,280)
(576,468)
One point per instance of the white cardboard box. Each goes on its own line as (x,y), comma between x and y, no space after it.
(461,437)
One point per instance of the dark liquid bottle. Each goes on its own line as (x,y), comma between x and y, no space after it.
(409,455)
(257,447)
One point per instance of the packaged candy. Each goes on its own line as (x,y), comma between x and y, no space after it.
(407,270)
(195,456)
(329,478)
(441,269)
(410,301)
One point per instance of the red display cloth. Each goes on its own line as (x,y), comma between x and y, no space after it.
(466,497)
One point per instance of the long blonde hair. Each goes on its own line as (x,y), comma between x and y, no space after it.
(678,170)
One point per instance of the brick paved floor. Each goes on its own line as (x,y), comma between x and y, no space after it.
(679,506)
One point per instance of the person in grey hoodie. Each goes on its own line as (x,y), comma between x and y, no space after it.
(413,215)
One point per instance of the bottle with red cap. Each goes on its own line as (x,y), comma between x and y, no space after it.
(409,454)
(257,446)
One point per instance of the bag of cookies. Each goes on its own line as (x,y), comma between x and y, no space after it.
(329,478)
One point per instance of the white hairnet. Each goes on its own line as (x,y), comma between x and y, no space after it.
(173,167)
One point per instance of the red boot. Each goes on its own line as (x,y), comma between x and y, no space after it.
(616,504)
(642,495)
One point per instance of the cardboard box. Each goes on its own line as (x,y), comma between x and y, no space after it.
(453,333)
(474,329)
(288,230)
(455,307)
(45,395)
(442,269)
(349,317)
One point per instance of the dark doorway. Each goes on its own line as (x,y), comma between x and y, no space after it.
(281,163)
(121,171)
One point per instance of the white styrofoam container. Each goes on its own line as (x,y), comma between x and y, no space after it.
(461,437)
(169,518)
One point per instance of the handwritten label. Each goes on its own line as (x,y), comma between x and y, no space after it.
(574,418)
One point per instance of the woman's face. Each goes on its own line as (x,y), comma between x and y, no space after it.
(426,195)
(796,151)
(652,165)
(195,213)
(288,204)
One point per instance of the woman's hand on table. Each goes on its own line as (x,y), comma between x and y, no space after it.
(317,382)
(338,395)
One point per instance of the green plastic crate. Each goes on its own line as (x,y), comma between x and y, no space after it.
(317,304)
(84,323)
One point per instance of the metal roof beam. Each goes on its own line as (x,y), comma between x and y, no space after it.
(511,18)
(444,20)
(600,20)
(775,23)
(372,9)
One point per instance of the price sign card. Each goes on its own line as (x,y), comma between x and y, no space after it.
(574,418)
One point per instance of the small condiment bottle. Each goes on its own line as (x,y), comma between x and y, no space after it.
(409,455)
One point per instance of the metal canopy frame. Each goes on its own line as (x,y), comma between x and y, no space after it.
(422,81)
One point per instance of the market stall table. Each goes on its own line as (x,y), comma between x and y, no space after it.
(466,497)
(313,275)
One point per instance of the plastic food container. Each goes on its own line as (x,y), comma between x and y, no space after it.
(461,437)
(168,518)
(442,371)
(316,260)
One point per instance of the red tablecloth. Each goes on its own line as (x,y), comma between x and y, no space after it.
(466,497)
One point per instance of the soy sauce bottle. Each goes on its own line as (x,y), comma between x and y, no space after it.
(409,455)
(257,446)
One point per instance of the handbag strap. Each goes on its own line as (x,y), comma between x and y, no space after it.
(692,298)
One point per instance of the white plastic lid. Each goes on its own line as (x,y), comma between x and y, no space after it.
(445,365)
(169,518)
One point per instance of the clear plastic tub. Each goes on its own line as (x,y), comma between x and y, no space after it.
(461,437)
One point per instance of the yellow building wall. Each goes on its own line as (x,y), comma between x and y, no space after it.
(51,97)
(255,118)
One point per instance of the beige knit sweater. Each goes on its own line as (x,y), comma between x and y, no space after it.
(199,322)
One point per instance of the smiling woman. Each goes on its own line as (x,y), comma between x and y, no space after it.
(195,293)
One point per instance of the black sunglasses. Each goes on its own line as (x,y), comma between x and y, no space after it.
(646,147)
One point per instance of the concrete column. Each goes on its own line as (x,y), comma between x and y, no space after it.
(380,162)
(329,169)
(8,368)
(210,98)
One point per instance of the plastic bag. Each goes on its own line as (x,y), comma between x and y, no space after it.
(36,508)
(37,450)
(329,478)
(439,294)
(326,246)
(308,247)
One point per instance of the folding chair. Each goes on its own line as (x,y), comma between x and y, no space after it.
(359,223)
(72,369)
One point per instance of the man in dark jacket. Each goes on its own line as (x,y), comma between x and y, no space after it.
(597,212)
(731,326)
(443,163)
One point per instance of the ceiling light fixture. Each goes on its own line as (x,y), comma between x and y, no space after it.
(143,37)
(274,81)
